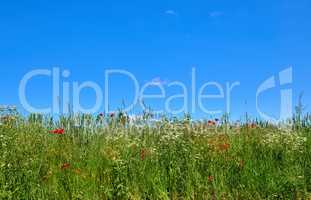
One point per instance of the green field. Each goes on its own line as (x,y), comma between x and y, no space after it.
(107,157)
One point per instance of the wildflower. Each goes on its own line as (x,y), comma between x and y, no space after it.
(65,166)
(211,123)
(101,114)
(142,154)
(224,146)
(111,115)
(210,179)
(58,131)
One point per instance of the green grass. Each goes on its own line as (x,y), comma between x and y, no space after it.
(172,159)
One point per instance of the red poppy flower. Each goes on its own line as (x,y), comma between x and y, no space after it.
(143,154)
(224,147)
(58,131)
(101,114)
(65,166)
(211,123)
(210,179)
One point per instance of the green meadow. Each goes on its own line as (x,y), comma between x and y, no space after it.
(111,157)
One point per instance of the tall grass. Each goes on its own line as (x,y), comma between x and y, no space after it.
(111,157)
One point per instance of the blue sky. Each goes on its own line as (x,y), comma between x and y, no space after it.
(245,41)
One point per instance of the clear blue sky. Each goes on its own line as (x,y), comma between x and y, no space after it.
(245,41)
